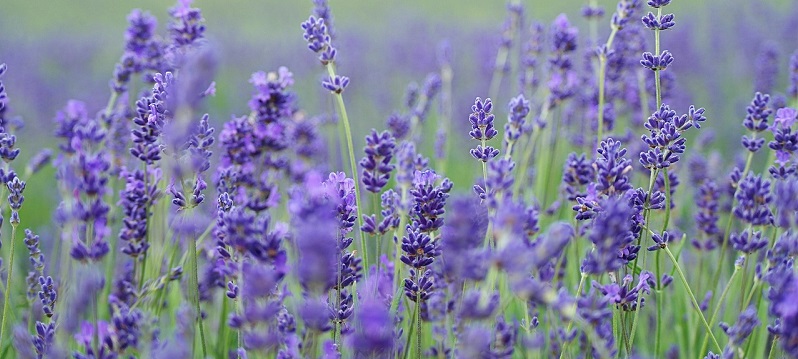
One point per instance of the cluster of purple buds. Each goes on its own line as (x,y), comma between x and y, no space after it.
(563,81)
(318,38)
(612,168)
(531,52)
(15,198)
(756,121)
(377,165)
(592,12)
(625,296)
(134,200)
(665,140)
(390,215)
(499,183)
(785,143)
(792,90)
(482,129)
(740,331)
(36,262)
(151,114)
(516,122)
(187,25)
(272,100)
(429,194)
(612,237)
(140,48)
(3,96)
(706,217)
(197,148)
(658,23)
(753,199)
(623,12)
(657,62)
(577,173)
(595,310)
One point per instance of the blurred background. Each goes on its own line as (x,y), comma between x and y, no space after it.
(67,50)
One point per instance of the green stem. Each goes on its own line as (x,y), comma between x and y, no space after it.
(692,298)
(717,308)
(410,332)
(646,213)
(9,283)
(571,324)
(353,165)
(193,290)
(773,346)
(727,230)
(529,147)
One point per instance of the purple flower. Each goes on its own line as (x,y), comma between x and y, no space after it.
(38,161)
(419,286)
(748,241)
(612,168)
(660,241)
(756,121)
(500,180)
(657,62)
(564,35)
(335,84)
(429,199)
(624,296)
(785,117)
(623,12)
(186,26)
(399,125)
(562,83)
(577,172)
(753,200)
(766,68)
(591,12)
(786,202)
(318,39)
(482,128)
(658,3)
(792,89)
(664,22)
(611,235)
(519,109)
(272,100)
(706,217)
(377,165)
(321,10)
(374,335)
(419,249)
(665,141)
(741,330)
(595,311)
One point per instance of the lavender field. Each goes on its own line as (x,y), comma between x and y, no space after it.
(304,179)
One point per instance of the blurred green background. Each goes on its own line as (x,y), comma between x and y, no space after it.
(61,50)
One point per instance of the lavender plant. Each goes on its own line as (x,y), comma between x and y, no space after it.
(178,235)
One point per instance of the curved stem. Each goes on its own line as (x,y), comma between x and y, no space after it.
(717,307)
(692,298)
(9,283)
(727,229)
(353,165)
(571,324)
(193,290)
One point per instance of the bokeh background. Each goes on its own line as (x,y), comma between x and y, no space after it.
(61,50)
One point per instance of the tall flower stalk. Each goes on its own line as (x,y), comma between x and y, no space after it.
(319,41)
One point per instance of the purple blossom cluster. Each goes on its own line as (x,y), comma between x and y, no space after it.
(251,238)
